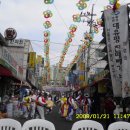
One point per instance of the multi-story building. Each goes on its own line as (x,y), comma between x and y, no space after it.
(20,49)
(96,64)
(57,76)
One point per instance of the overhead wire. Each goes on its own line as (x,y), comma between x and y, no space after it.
(62,18)
(54,43)
(64,23)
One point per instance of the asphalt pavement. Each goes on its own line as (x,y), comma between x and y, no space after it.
(59,122)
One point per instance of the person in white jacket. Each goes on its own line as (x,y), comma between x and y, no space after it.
(41,102)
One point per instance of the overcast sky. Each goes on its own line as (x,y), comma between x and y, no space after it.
(26,16)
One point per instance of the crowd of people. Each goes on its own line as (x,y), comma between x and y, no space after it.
(70,105)
(33,104)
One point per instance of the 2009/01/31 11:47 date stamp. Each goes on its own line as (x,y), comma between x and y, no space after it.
(102,116)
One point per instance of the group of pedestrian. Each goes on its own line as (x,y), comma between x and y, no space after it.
(70,105)
(36,103)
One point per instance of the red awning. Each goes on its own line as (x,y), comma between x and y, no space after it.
(5,72)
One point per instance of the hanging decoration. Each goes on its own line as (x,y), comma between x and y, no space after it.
(48,1)
(68,40)
(114,4)
(47,14)
(81,4)
(47,24)
(76,18)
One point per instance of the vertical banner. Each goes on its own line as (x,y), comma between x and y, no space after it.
(82,70)
(125,58)
(32,59)
(116,28)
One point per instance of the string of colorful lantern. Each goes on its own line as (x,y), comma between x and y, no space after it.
(81,6)
(69,38)
(47,24)
(76,18)
(88,38)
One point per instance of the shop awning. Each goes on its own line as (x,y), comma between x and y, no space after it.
(5,72)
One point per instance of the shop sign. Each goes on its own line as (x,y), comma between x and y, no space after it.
(32,59)
(10,33)
(16,42)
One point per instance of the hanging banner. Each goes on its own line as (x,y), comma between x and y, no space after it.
(125,57)
(82,71)
(116,27)
(32,59)
(39,59)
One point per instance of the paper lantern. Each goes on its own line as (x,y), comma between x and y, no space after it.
(81,5)
(47,31)
(70,39)
(47,14)
(47,24)
(73,28)
(48,1)
(71,34)
(46,41)
(77,18)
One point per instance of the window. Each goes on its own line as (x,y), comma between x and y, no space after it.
(99,53)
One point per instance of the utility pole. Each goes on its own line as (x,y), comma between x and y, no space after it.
(89,48)
(91,24)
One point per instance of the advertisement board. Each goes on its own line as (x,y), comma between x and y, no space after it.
(16,43)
